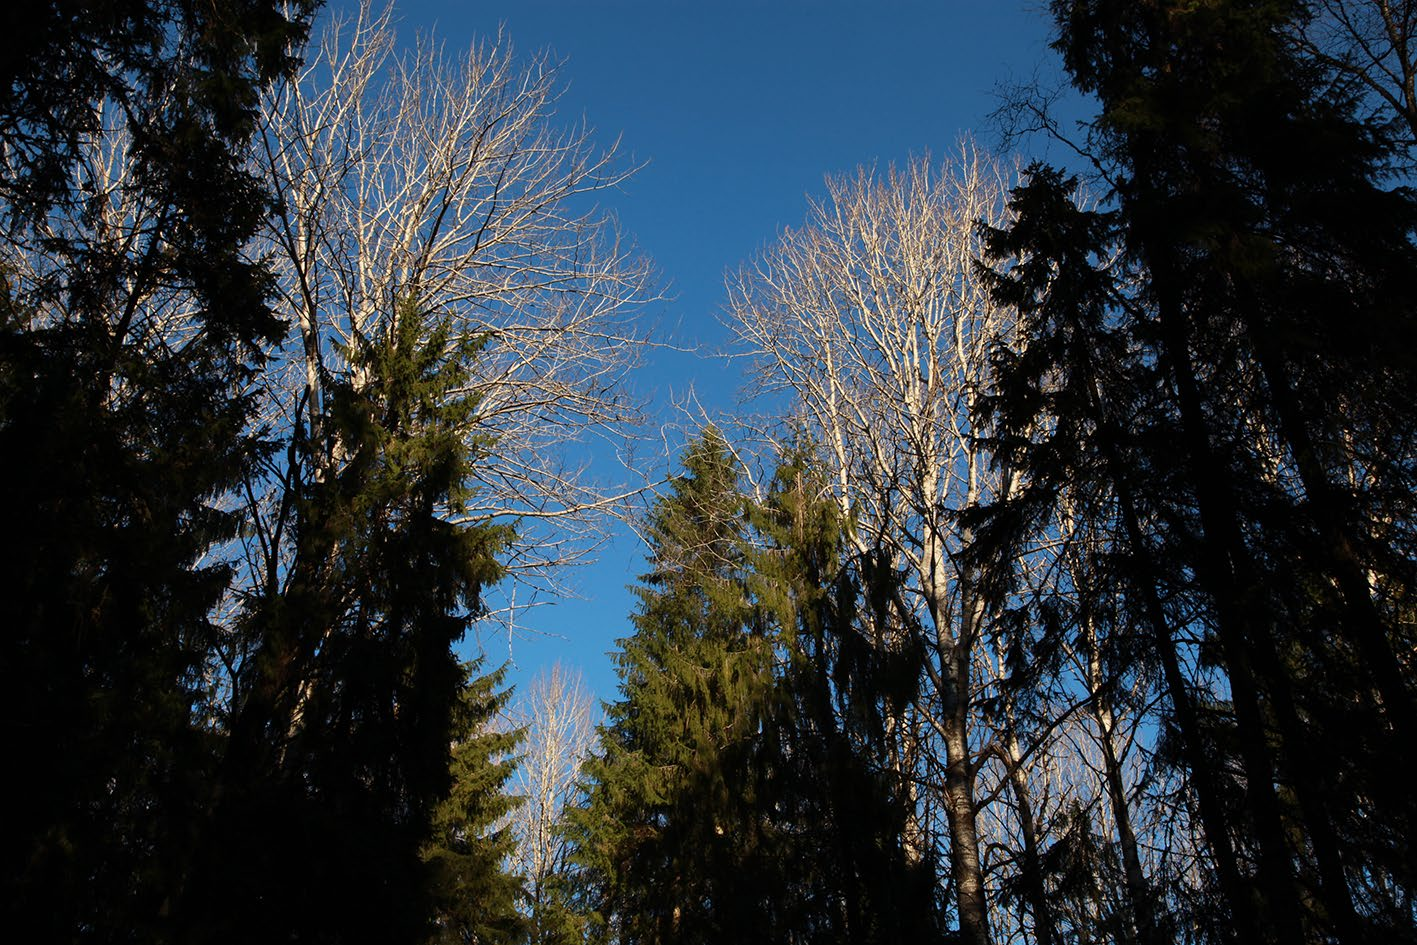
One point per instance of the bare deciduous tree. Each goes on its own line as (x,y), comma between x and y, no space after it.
(871,319)
(557,714)
(418,182)
(1371,47)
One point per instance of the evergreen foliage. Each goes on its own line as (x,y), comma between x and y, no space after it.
(338,752)
(669,839)
(130,325)
(1216,370)
(841,814)
(561,915)
(738,792)
(474,896)
(273,774)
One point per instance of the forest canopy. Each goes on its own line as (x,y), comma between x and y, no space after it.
(1054,582)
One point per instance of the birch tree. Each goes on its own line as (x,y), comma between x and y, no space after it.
(443,181)
(558,715)
(870,320)
(1370,46)
(460,328)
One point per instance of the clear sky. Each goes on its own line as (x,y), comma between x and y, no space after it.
(739,109)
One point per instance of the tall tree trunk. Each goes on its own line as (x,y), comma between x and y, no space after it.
(1213,819)
(1028,827)
(964,833)
(1139,893)
(966,869)
(1224,571)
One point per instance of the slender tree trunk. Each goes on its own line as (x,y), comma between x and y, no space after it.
(1028,827)
(845,914)
(1213,819)
(964,833)
(1224,570)
(971,902)
(1138,890)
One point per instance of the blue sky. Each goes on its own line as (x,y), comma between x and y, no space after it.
(739,110)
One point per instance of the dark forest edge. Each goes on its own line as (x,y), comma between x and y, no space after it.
(1070,602)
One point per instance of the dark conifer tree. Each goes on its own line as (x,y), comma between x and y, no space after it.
(846,875)
(1229,391)
(1079,411)
(740,790)
(338,752)
(125,351)
(671,841)
(277,777)
(474,898)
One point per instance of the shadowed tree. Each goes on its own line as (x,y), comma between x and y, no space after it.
(1220,361)
(848,872)
(742,786)
(871,318)
(337,755)
(131,323)
(474,893)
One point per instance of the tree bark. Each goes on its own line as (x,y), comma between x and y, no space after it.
(971,903)
(964,832)
(1028,827)
(1139,892)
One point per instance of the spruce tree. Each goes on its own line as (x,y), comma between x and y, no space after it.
(130,325)
(672,842)
(1220,364)
(338,750)
(844,873)
(472,895)
(741,790)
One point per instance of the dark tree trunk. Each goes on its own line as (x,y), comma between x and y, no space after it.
(1224,570)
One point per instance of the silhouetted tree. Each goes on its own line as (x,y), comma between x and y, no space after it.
(1220,365)
(130,325)
(337,753)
